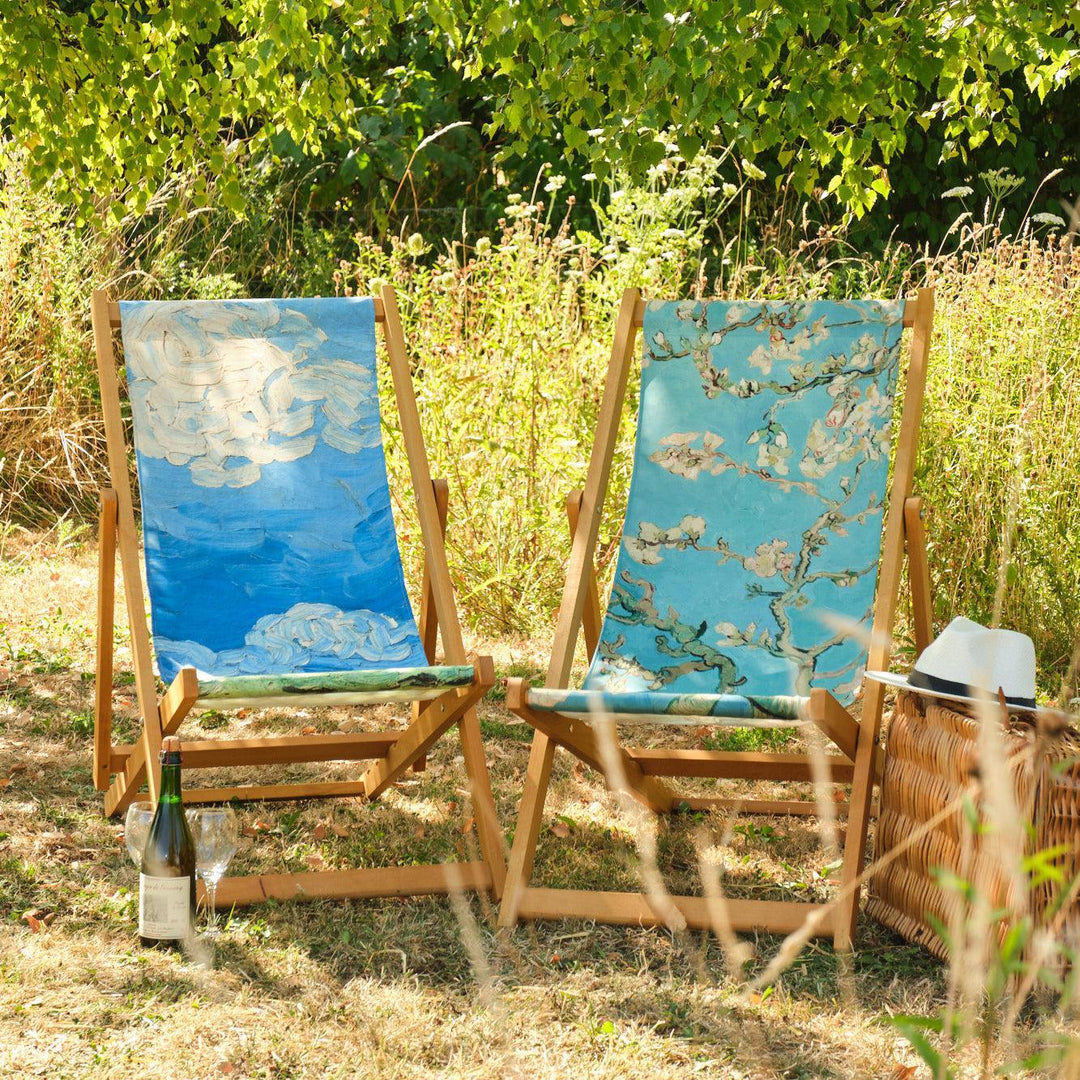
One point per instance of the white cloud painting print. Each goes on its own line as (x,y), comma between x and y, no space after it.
(270,544)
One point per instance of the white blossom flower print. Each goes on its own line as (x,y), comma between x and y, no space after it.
(770,559)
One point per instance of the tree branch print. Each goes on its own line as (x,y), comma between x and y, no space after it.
(849,427)
(676,639)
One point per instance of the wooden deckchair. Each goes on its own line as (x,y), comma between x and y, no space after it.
(725,606)
(273,567)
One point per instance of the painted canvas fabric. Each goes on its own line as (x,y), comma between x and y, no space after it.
(270,544)
(749,554)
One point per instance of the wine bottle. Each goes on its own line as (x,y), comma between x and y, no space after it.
(167,880)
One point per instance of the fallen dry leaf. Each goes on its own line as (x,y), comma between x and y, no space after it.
(16,768)
(315,861)
(904,1072)
(309,730)
(37,919)
(560,829)
(420,832)
(339,830)
(319,831)
(4,781)
(467,827)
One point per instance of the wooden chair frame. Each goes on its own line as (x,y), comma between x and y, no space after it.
(859,761)
(391,753)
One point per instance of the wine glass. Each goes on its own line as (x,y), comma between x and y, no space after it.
(213,828)
(140,815)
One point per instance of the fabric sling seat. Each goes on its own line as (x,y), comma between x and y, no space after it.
(757,567)
(272,563)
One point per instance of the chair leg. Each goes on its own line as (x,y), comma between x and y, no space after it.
(103,679)
(492,843)
(527,832)
(862,790)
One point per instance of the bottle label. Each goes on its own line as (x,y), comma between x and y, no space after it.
(164,908)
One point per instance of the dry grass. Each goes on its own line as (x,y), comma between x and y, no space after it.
(392,988)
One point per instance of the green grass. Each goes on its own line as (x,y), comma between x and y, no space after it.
(393,988)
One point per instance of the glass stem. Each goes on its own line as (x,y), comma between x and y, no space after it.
(211,897)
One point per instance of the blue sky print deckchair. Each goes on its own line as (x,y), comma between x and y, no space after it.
(752,570)
(272,561)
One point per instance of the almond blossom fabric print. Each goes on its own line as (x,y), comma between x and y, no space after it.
(270,544)
(753,529)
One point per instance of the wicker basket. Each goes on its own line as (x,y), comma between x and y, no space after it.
(930,758)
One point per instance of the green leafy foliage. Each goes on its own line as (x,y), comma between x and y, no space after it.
(828,91)
(128,107)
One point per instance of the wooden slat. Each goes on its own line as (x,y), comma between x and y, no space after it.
(428,622)
(634,909)
(354,884)
(592,501)
(574,599)
(175,705)
(182,693)
(278,750)
(106,614)
(922,607)
(124,787)
(320,789)
(834,720)
(591,615)
(530,818)
(435,564)
(114,313)
(427,729)
(445,607)
(582,741)
(888,591)
(737,765)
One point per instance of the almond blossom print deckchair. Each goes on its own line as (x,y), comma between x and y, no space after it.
(759,565)
(272,562)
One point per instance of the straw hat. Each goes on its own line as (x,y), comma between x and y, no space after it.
(967,659)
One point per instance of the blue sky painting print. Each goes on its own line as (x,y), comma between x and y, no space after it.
(269,540)
(749,555)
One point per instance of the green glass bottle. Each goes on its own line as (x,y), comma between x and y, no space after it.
(167,880)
